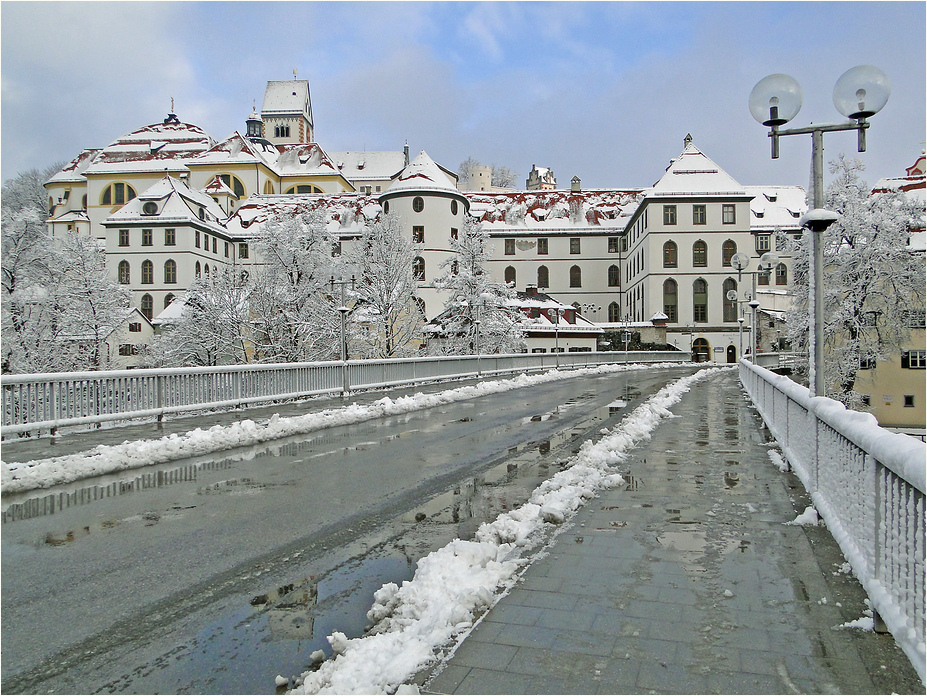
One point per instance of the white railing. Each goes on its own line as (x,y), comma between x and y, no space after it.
(867,484)
(32,403)
(774,361)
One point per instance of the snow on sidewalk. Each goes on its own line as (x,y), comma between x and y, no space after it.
(457,583)
(106,459)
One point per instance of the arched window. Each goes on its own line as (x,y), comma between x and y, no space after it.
(147,306)
(762,277)
(510,275)
(730,306)
(453,207)
(83,202)
(168,298)
(782,274)
(418,268)
(269,187)
(700,301)
(670,255)
(614,276)
(234,183)
(576,277)
(125,275)
(170,271)
(614,312)
(304,188)
(117,194)
(418,204)
(206,269)
(671,300)
(728,249)
(543,277)
(197,270)
(147,272)
(700,254)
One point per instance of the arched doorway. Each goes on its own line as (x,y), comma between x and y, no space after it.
(731,354)
(701,351)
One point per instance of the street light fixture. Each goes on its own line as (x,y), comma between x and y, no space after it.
(860,93)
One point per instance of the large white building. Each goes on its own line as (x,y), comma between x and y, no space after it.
(169,202)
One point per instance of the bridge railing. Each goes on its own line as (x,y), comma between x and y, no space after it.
(48,401)
(868,485)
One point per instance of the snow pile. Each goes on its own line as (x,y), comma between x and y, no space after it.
(457,583)
(808,517)
(777,459)
(107,459)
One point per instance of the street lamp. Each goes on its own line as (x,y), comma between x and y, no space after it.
(557,313)
(860,93)
(740,261)
(343,309)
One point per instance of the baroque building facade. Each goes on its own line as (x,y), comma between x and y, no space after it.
(169,203)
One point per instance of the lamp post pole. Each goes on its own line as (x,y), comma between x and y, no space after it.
(860,92)
(343,311)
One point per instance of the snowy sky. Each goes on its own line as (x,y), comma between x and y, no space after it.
(605,90)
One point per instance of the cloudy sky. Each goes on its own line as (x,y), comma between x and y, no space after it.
(605,90)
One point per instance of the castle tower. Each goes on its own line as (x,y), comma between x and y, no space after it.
(287,112)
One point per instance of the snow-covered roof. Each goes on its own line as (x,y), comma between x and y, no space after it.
(423,174)
(172,313)
(177,203)
(285,96)
(306,158)
(362,165)
(344,212)
(514,212)
(158,147)
(237,149)
(692,173)
(73,171)
(775,207)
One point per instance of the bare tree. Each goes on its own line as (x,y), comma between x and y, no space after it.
(388,312)
(873,282)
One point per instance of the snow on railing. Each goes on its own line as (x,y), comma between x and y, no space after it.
(867,484)
(33,403)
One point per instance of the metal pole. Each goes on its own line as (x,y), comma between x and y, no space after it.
(557,337)
(753,331)
(816,292)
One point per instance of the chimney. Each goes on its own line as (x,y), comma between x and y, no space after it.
(531,290)
(405,151)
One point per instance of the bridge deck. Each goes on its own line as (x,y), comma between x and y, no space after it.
(689,579)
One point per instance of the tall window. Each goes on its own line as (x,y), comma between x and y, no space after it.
(543,248)
(700,254)
(543,277)
(669,214)
(670,251)
(782,274)
(147,306)
(196,238)
(730,306)
(614,276)
(123,237)
(147,272)
(418,234)
(509,247)
(700,301)
(671,300)
(197,270)
(614,245)
(418,268)
(146,238)
(117,194)
(699,215)
(453,207)
(510,275)
(454,233)
(574,245)
(170,237)
(242,250)
(576,277)
(614,312)
(762,243)
(728,249)
(762,278)
(170,271)
(168,298)
(125,275)
(269,187)
(728,214)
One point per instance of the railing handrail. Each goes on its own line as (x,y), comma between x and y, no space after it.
(902,454)
(48,401)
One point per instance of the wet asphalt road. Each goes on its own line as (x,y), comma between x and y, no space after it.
(225,571)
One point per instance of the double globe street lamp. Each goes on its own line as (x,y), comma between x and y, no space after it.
(860,93)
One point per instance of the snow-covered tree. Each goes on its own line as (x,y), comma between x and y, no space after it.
(58,304)
(212,328)
(388,311)
(873,284)
(472,295)
(294,316)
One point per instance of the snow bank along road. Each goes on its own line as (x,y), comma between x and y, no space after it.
(115,594)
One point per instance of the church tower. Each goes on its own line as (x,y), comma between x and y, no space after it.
(287,112)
